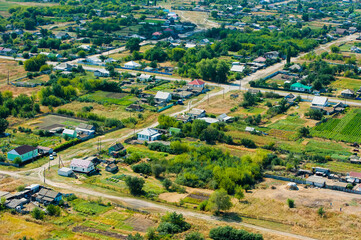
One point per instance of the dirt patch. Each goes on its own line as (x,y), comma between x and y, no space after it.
(172,197)
(116,95)
(199,196)
(140,223)
(82,229)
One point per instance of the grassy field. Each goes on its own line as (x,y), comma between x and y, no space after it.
(291,123)
(110,98)
(346,128)
(343,83)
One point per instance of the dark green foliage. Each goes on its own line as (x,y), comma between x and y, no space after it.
(33,64)
(248,143)
(227,233)
(173,223)
(3,125)
(53,210)
(135,185)
(291,203)
(314,114)
(133,44)
(37,214)
(143,167)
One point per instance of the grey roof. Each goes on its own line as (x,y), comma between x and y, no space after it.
(86,126)
(15,203)
(316,179)
(47,194)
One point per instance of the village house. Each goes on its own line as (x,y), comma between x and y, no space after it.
(183,118)
(162,97)
(224,118)
(116,150)
(209,120)
(62,35)
(290,98)
(197,113)
(260,60)
(84,128)
(69,133)
(149,134)
(132,65)
(24,152)
(354,177)
(295,68)
(82,166)
(237,68)
(48,196)
(111,167)
(64,67)
(101,73)
(347,93)
(272,55)
(44,150)
(319,102)
(144,77)
(299,87)
(197,83)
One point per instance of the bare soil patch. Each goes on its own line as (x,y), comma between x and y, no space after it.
(140,223)
(82,229)
(172,197)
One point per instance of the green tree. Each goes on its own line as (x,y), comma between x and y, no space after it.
(53,210)
(173,223)
(157,170)
(34,63)
(335,49)
(290,203)
(37,214)
(136,236)
(167,183)
(304,132)
(135,185)
(220,200)
(82,54)
(133,44)
(214,14)
(4,124)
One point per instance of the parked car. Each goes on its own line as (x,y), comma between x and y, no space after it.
(54,154)
(51,157)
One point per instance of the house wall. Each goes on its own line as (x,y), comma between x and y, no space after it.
(25,156)
(83,170)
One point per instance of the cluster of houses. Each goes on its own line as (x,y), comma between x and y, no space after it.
(256,64)
(33,196)
(154,134)
(323,178)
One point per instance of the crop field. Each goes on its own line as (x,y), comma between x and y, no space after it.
(346,128)
(346,83)
(102,97)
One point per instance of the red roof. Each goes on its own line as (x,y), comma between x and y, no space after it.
(168,30)
(157,34)
(1,48)
(260,59)
(197,82)
(355,174)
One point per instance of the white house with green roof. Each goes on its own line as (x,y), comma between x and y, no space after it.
(299,87)
(24,152)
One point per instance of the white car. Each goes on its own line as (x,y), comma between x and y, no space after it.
(54,154)
(51,157)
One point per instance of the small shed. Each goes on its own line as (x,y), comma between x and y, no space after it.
(69,133)
(65,172)
(112,167)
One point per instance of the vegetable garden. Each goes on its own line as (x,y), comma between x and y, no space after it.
(346,129)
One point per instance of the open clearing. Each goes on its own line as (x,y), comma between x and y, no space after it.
(51,121)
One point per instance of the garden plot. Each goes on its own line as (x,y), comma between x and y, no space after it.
(102,97)
(52,121)
(346,128)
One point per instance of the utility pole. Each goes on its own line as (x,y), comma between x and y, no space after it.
(44,176)
(8,77)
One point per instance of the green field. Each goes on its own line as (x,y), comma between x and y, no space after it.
(346,128)
(4,6)
(291,123)
(112,98)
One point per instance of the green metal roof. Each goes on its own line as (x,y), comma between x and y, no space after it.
(300,85)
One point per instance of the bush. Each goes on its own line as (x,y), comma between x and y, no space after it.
(321,212)
(17,160)
(167,183)
(135,185)
(248,143)
(157,170)
(290,203)
(173,223)
(222,233)
(144,168)
(20,188)
(194,236)
(37,214)
(133,158)
(53,210)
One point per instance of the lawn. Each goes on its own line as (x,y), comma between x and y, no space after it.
(346,83)
(110,98)
(49,121)
(346,128)
(291,123)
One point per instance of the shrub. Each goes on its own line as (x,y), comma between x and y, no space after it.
(133,158)
(221,233)
(135,185)
(144,168)
(53,210)
(248,143)
(321,212)
(290,203)
(167,183)
(172,223)
(17,160)
(194,236)
(157,170)
(37,214)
